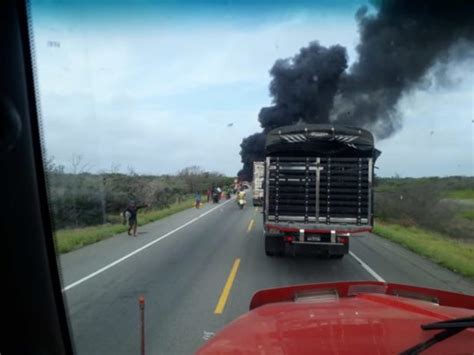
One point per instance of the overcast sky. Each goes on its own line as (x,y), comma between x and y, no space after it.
(154,88)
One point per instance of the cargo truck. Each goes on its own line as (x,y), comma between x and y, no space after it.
(318,188)
(257,182)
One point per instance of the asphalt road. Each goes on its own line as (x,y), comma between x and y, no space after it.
(198,270)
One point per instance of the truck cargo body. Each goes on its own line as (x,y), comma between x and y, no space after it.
(257,182)
(318,188)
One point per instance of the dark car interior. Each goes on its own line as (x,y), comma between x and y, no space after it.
(33,313)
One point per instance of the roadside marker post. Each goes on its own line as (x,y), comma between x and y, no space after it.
(141,303)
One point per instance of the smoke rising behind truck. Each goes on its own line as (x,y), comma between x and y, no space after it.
(400,41)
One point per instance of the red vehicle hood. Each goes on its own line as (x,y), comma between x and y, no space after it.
(344,318)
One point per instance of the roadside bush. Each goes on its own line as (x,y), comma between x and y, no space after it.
(84,199)
(424,202)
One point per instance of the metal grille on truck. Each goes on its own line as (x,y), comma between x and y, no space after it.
(319,190)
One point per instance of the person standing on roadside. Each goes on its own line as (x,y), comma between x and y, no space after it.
(197,198)
(130,213)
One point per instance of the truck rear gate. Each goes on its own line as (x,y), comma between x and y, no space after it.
(318,187)
(319,192)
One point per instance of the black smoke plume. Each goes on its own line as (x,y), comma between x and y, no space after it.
(303,87)
(252,150)
(398,45)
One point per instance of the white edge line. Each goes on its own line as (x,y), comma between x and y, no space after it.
(123,258)
(367,268)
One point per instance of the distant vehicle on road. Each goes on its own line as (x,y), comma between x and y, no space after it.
(216,194)
(257,182)
(318,188)
(241,199)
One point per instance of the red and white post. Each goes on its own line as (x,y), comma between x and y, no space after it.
(141,304)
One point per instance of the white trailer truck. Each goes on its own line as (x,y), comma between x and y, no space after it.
(257,182)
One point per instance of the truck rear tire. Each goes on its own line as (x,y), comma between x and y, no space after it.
(269,253)
(274,246)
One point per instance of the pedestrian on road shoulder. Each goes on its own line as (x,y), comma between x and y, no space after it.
(197,198)
(130,214)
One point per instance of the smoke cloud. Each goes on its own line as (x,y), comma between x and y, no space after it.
(303,87)
(399,44)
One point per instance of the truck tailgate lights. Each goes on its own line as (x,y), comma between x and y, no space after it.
(343,239)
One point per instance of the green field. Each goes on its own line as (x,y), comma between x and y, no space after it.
(455,255)
(70,239)
(441,205)
(464,194)
(469,214)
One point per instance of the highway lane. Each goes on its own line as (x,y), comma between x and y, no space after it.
(183,275)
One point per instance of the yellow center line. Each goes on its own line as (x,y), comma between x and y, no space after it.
(227,287)
(250,225)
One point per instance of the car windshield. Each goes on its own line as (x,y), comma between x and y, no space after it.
(197,152)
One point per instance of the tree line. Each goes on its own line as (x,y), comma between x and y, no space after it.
(79,198)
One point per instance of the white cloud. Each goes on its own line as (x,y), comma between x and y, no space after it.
(149,61)
(160,98)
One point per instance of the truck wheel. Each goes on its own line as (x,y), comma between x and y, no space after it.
(269,247)
(274,246)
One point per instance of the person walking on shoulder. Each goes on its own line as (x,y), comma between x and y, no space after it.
(197,198)
(130,214)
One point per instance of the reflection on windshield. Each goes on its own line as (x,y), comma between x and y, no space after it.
(199,152)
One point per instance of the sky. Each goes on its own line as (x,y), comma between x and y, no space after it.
(159,86)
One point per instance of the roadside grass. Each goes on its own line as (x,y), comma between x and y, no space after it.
(71,239)
(452,254)
(463,194)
